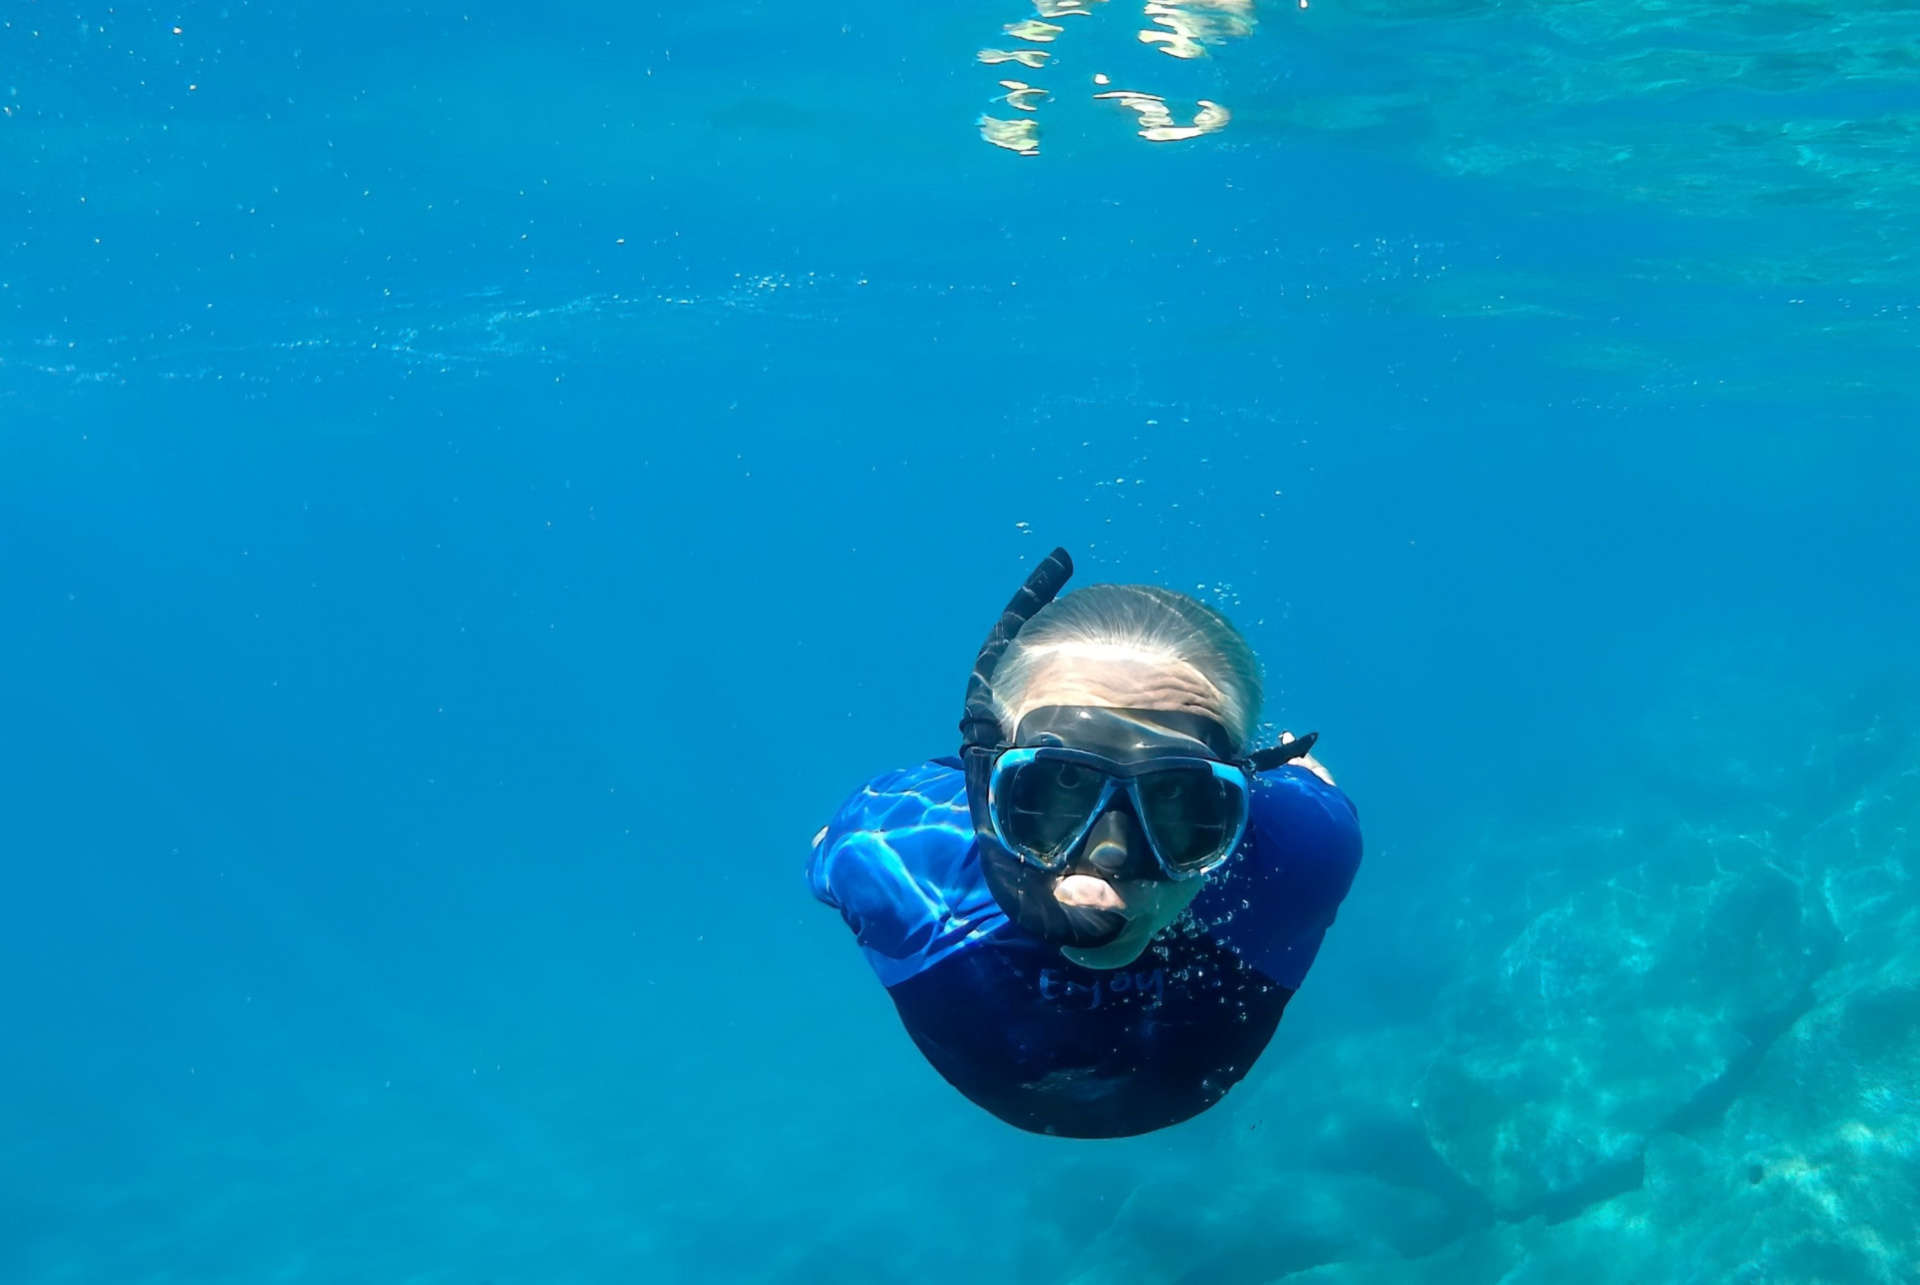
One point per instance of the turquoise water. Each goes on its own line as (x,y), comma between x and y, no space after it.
(480,485)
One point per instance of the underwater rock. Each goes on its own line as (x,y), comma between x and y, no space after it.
(1810,1176)
(1316,1158)
(1200,1223)
(1323,1161)
(1722,753)
(1827,1138)
(1628,1008)
(1863,872)
(1706,1069)
(1662,1231)
(1862,863)
(1345,1105)
(1485,1255)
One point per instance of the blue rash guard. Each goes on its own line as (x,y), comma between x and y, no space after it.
(1041,1042)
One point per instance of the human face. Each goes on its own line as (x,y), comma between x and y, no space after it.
(1102,877)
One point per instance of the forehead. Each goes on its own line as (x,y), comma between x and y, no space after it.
(1125,735)
(1119,678)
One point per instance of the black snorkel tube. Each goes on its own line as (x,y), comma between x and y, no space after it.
(979,725)
(1024,892)
(1274,755)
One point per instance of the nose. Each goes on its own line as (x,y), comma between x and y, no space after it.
(1115,848)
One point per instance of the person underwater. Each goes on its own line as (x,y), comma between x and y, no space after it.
(1091,919)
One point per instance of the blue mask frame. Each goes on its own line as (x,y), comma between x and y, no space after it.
(1117,779)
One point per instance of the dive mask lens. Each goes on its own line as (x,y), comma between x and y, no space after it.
(1044,802)
(1193,815)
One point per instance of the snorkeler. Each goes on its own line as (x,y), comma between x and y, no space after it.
(1091,919)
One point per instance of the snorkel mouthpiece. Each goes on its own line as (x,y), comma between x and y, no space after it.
(1027,896)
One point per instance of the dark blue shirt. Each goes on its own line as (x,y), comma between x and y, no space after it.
(1041,1042)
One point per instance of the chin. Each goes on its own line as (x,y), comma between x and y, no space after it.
(1128,947)
(1154,905)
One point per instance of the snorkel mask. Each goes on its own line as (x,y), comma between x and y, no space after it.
(1114,793)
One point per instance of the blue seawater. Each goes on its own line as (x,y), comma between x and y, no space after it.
(480,484)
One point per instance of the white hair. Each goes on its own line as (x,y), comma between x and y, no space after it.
(1136,620)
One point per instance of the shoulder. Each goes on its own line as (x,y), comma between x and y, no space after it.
(1301,823)
(1272,903)
(897,861)
(912,811)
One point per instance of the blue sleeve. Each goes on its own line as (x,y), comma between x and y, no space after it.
(1273,904)
(897,862)
(862,877)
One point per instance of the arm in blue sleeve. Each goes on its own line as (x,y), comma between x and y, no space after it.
(858,873)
